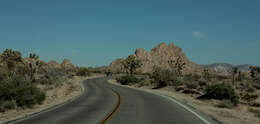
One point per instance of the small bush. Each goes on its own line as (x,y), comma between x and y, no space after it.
(255,111)
(144,82)
(221,77)
(23,93)
(126,80)
(251,89)
(7,105)
(225,104)
(249,97)
(83,72)
(220,92)
(202,83)
(164,78)
(192,85)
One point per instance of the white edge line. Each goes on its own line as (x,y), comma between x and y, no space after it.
(185,107)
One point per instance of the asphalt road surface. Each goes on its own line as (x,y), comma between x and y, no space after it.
(103,102)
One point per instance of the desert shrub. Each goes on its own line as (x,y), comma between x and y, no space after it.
(250,89)
(179,88)
(3,73)
(187,77)
(220,92)
(7,105)
(126,80)
(221,77)
(202,83)
(83,72)
(256,85)
(23,93)
(249,97)
(192,85)
(163,78)
(225,104)
(144,82)
(255,104)
(256,112)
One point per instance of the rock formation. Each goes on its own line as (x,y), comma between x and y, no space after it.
(159,56)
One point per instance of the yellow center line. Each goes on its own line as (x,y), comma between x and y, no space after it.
(109,116)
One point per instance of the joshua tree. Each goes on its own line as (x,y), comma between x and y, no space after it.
(33,56)
(178,65)
(234,72)
(253,72)
(11,58)
(239,78)
(33,66)
(131,64)
(206,73)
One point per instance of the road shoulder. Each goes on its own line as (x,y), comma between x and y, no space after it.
(207,119)
(54,99)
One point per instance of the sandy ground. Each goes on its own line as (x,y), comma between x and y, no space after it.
(69,90)
(237,115)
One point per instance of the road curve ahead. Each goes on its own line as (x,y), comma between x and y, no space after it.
(100,104)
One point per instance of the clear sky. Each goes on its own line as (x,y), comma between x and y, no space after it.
(95,32)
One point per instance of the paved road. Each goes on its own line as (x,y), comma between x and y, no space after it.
(98,101)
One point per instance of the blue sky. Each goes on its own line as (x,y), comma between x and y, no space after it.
(95,32)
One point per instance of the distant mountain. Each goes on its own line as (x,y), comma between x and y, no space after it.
(225,67)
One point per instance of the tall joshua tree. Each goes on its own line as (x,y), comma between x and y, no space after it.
(206,73)
(11,58)
(131,64)
(253,72)
(32,66)
(178,65)
(234,72)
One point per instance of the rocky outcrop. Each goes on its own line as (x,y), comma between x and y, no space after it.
(54,64)
(159,56)
(66,63)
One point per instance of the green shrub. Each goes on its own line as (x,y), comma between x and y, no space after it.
(250,89)
(24,93)
(192,85)
(162,78)
(220,92)
(202,83)
(144,82)
(126,80)
(83,72)
(7,105)
(249,97)
(225,104)
(256,112)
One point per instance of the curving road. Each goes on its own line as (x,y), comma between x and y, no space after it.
(98,104)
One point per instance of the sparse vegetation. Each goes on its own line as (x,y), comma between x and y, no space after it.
(256,112)
(83,72)
(19,92)
(126,80)
(20,79)
(225,104)
(220,92)
(162,78)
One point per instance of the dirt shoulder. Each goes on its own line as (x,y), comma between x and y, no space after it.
(238,115)
(69,90)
